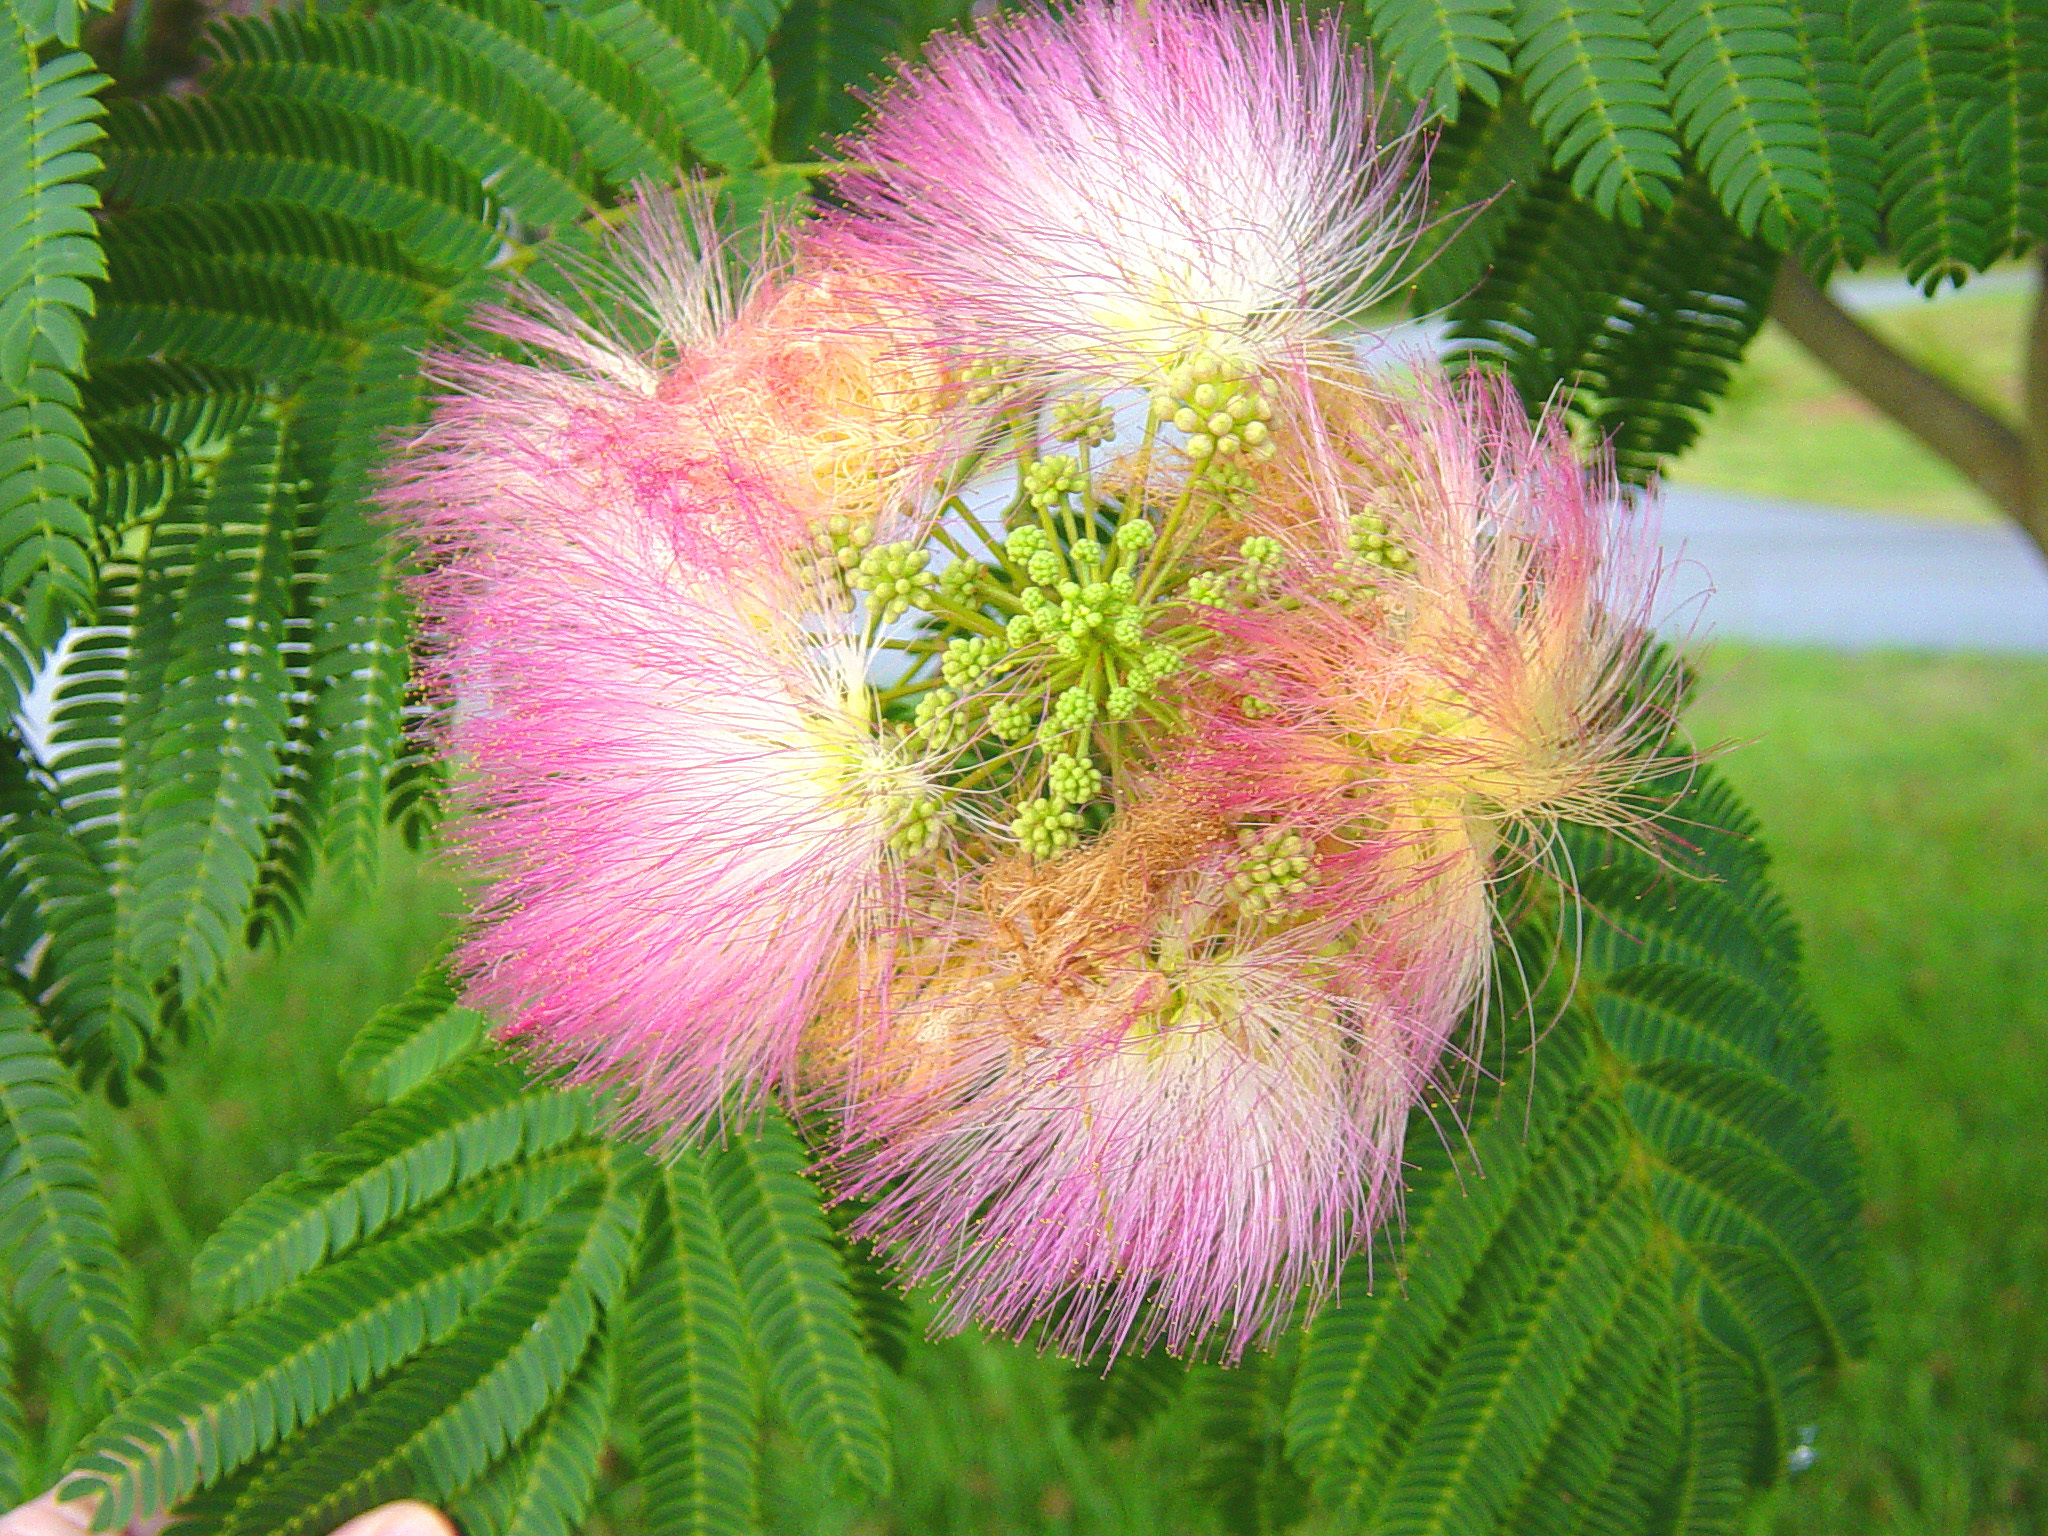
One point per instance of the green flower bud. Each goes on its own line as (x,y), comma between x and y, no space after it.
(958,580)
(1083,419)
(1012,719)
(1044,829)
(1072,779)
(938,719)
(1073,710)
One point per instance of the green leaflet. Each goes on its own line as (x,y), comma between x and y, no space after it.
(64,1278)
(685,1334)
(797,1302)
(1480,170)
(1655,1210)
(2005,144)
(410,1040)
(1922,66)
(825,46)
(697,61)
(266,147)
(426,87)
(15,1447)
(48,122)
(1638,330)
(1679,314)
(476,1115)
(1846,223)
(360,278)
(283,1364)
(1440,49)
(1741,103)
(1591,78)
(452,1411)
(545,1488)
(216,742)
(622,124)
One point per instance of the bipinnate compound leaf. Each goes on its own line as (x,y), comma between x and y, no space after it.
(545,1488)
(407,1041)
(1740,96)
(49,122)
(64,1278)
(1441,49)
(1922,67)
(448,1414)
(1589,71)
(798,1305)
(685,1340)
(478,1114)
(1636,1260)
(281,1365)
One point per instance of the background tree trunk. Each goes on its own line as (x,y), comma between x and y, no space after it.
(2007,462)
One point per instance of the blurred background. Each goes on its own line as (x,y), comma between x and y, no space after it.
(1904,789)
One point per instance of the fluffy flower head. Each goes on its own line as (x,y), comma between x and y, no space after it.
(670,778)
(1117,186)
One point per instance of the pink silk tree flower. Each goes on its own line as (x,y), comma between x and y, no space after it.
(1448,660)
(684,818)
(1178,1153)
(1111,189)
(670,782)
(1116,1109)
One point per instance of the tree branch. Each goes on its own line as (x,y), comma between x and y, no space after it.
(1989,452)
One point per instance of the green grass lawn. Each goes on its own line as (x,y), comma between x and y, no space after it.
(1789,428)
(1907,799)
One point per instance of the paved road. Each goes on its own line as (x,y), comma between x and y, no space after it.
(1759,570)
(1785,571)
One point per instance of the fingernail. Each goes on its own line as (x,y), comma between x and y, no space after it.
(46,1517)
(408,1517)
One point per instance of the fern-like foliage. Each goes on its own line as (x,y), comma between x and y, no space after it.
(1638,1261)
(1741,102)
(278,251)
(1443,49)
(1844,227)
(1921,60)
(48,256)
(1590,73)
(62,1276)
(1626,1265)
(442,1315)
(1832,129)
(1612,1294)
